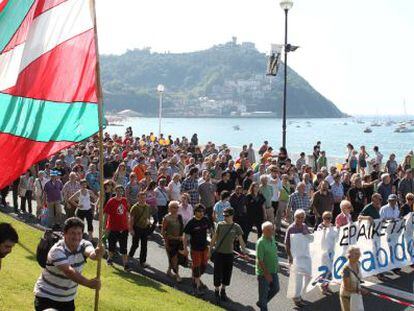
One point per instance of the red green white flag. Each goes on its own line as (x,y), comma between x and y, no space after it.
(48,95)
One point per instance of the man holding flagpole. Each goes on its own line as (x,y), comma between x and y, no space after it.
(50,90)
(57,286)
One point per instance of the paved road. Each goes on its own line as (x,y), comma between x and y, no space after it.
(243,288)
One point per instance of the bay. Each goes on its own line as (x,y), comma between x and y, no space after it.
(302,134)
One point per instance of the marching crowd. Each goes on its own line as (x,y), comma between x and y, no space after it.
(204,203)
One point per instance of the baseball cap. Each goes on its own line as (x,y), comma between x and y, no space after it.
(392,197)
(54,173)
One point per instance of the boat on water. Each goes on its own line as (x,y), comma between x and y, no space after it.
(367,130)
(236,127)
(375,124)
(404,129)
(113,120)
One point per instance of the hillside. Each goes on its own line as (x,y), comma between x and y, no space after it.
(227,79)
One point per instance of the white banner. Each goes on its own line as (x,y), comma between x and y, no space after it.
(384,245)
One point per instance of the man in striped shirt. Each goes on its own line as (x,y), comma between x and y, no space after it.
(57,285)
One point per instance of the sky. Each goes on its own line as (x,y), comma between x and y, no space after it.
(357,53)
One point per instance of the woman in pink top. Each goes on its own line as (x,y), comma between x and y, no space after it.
(151,200)
(345,216)
(185,209)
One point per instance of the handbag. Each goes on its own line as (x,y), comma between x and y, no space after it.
(356,303)
(213,252)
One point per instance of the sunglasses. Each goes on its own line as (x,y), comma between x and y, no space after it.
(327,218)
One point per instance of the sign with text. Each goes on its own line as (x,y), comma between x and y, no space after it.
(384,245)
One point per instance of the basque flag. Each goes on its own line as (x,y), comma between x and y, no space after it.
(48,94)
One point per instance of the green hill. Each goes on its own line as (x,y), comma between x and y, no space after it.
(223,80)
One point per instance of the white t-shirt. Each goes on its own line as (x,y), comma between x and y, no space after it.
(174,191)
(276,184)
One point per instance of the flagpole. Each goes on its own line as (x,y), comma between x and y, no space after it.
(100,136)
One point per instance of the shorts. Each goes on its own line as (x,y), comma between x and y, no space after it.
(174,246)
(118,236)
(41,304)
(362,163)
(200,260)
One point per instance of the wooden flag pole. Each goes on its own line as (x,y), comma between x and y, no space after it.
(101,151)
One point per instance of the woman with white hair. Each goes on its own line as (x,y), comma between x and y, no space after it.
(174,188)
(344,217)
(351,291)
(298,281)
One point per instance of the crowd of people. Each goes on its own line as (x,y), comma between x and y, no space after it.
(205,202)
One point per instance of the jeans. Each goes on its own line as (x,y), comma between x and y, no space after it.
(267,291)
(140,234)
(279,213)
(27,198)
(253,221)
(270,214)
(54,213)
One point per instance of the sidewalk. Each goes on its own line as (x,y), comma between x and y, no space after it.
(243,272)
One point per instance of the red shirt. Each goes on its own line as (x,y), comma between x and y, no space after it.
(117,211)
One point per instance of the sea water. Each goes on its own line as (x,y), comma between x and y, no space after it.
(302,134)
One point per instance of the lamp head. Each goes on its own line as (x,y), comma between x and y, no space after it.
(160,88)
(286,4)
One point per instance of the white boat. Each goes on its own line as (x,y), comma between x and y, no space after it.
(367,130)
(404,129)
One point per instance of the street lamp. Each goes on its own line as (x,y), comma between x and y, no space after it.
(286,5)
(160,90)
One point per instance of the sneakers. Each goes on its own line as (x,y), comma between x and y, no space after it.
(109,262)
(298,302)
(223,295)
(127,268)
(170,274)
(144,265)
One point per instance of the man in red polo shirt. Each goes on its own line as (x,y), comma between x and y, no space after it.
(116,213)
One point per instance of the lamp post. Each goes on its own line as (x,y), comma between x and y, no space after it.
(160,90)
(286,5)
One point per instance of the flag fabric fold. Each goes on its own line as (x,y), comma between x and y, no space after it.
(48,95)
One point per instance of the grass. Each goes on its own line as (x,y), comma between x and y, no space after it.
(120,291)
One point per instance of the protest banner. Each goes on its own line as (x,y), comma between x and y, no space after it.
(384,245)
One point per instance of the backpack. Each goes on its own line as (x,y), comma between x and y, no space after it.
(49,239)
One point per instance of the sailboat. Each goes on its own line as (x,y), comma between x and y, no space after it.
(376,122)
(402,128)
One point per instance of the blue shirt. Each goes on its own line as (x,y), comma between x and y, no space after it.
(337,190)
(219,208)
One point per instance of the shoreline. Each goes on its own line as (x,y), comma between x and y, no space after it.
(114,114)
